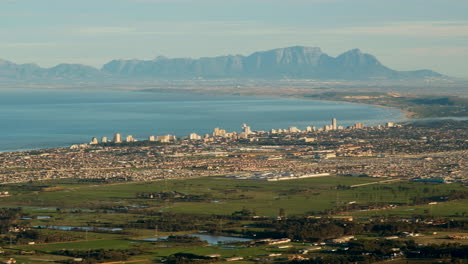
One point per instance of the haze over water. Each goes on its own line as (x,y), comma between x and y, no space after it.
(46,118)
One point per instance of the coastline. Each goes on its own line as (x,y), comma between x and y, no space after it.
(275,93)
(405,113)
(222,92)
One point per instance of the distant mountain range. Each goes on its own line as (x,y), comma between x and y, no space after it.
(292,62)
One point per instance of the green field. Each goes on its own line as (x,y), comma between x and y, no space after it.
(73,203)
(224,196)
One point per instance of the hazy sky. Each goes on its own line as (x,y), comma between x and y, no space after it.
(403,34)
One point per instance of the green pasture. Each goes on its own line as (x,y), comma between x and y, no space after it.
(225,196)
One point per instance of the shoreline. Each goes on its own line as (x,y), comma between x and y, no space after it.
(404,113)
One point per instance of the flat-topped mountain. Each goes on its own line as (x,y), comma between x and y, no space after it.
(293,62)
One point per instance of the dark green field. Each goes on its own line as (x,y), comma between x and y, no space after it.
(224,196)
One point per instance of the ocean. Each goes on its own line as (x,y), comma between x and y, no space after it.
(48,118)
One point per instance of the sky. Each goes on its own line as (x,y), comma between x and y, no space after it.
(402,34)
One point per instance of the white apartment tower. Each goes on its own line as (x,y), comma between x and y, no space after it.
(117,138)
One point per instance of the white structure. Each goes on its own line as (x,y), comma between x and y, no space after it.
(294,129)
(194,136)
(117,138)
(246,129)
(166,138)
(104,140)
(152,138)
(94,141)
(219,132)
(310,129)
(334,124)
(130,139)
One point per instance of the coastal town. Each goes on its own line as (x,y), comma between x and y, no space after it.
(297,195)
(408,151)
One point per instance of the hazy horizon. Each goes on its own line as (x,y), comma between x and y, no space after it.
(403,35)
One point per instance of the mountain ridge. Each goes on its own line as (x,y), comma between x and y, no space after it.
(296,62)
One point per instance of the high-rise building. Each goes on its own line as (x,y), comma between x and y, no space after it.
(104,140)
(334,124)
(219,132)
(152,138)
(117,138)
(246,129)
(94,141)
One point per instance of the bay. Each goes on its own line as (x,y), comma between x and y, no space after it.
(47,118)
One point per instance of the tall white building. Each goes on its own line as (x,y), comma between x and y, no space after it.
(246,129)
(104,140)
(117,138)
(334,124)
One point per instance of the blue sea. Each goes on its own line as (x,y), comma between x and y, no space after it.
(47,118)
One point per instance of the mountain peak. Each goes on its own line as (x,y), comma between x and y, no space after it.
(295,62)
(355,51)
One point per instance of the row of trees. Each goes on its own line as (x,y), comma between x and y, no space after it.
(100,255)
(305,229)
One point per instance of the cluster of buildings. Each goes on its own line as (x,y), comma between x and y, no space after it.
(276,176)
(387,151)
(246,133)
(130,139)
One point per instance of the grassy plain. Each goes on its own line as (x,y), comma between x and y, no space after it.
(225,196)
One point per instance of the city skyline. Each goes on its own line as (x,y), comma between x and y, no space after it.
(222,133)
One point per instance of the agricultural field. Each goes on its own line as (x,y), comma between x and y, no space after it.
(223,196)
(117,217)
